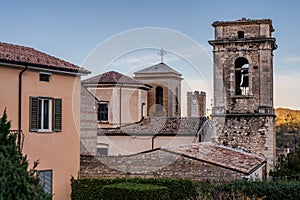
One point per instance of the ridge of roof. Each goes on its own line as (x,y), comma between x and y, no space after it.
(158,68)
(111,77)
(17,54)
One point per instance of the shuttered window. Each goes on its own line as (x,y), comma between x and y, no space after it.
(45,114)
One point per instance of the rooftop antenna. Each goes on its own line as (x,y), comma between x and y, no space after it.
(162,53)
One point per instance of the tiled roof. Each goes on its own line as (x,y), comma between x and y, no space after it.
(159,126)
(111,77)
(220,155)
(158,68)
(11,53)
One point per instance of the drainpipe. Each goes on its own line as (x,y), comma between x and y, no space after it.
(20,109)
(153,141)
(120,105)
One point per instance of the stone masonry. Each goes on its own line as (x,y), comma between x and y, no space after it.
(155,164)
(243,59)
(196,104)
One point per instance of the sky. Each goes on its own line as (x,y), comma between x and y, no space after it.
(128,34)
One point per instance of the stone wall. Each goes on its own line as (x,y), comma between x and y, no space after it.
(196,104)
(252,134)
(88,123)
(157,164)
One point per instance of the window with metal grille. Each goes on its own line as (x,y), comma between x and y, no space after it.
(103,112)
(45,177)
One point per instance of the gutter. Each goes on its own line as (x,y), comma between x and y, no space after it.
(20,109)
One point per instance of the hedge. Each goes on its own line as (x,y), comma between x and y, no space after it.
(89,188)
(273,190)
(134,191)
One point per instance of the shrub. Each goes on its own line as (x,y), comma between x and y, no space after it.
(134,191)
(90,188)
(248,190)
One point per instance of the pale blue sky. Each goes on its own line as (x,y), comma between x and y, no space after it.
(71,29)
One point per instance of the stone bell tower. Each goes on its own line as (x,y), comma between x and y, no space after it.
(243,113)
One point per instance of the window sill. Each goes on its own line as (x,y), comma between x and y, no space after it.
(45,131)
(241,96)
(103,122)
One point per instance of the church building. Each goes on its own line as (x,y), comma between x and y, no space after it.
(125,115)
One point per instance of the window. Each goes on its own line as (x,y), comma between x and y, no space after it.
(102,149)
(45,177)
(45,76)
(103,112)
(241,34)
(176,101)
(45,114)
(241,76)
(159,99)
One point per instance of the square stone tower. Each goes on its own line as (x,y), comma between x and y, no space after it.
(243,114)
(196,104)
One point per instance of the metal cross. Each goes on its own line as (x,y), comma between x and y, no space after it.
(161,53)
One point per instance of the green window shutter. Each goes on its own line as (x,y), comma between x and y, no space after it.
(34,117)
(57,122)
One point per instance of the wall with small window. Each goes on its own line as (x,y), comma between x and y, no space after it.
(119,105)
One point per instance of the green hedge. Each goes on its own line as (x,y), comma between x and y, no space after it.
(273,190)
(134,191)
(90,188)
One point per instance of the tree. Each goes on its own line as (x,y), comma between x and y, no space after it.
(288,166)
(16,181)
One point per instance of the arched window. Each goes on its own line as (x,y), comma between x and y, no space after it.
(241,34)
(241,76)
(159,98)
(176,100)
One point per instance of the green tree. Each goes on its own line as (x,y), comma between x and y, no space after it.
(288,166)
(16,181)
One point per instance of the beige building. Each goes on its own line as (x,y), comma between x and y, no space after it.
(135,114)
(121,100)
(41,94)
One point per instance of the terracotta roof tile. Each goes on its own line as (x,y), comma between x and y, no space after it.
(220,155)
(159,126)
(158,68)
(11,53)
(111,77)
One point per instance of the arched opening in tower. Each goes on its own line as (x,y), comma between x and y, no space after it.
(241,76)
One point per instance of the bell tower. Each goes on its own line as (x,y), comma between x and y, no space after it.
(243,113)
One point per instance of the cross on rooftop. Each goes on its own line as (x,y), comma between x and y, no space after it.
(162,53)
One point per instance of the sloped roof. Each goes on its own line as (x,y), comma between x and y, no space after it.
(111,77)
(16,54)
(220,155)
(158,68)
(184,126)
